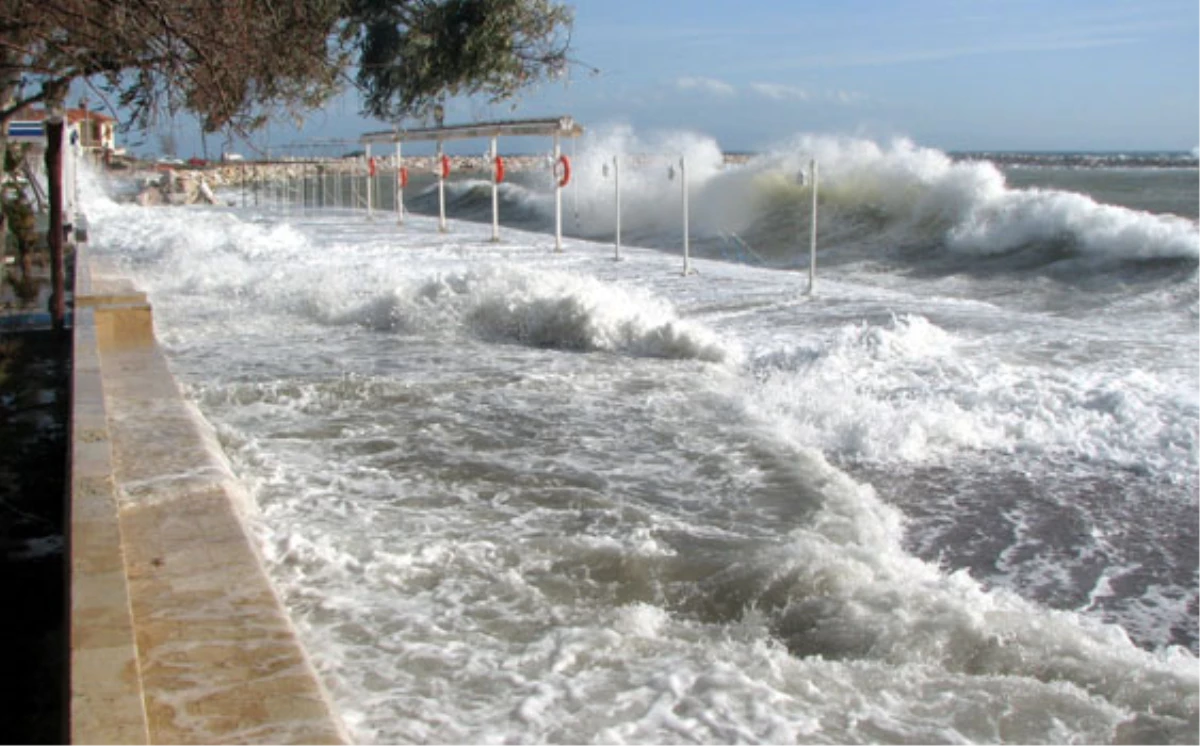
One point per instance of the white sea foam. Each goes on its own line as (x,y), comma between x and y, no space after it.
(484,537)
(899,392)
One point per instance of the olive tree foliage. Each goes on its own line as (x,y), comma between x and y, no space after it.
(235,63)
(227,61)
(414,54)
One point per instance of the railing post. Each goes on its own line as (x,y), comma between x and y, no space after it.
(441,189)
(687,259)
(812,237)
(617,189)
(370,178)
(495,194)
(557,198)
(399,187)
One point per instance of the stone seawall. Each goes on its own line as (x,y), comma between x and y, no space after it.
(176,634)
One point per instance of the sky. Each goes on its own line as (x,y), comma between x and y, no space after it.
(957,75)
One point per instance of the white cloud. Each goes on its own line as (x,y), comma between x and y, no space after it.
(779,92)
(705,85)
(847,97)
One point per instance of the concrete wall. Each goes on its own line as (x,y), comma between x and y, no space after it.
(176,634)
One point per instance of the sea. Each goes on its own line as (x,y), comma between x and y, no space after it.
(942,490)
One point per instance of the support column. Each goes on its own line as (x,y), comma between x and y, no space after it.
(617,189)
(557,198)
(399,187)
(495,195)
(441,189)
(812,236)
(370,178)
(683,182)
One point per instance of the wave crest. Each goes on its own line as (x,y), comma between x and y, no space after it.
(554,310)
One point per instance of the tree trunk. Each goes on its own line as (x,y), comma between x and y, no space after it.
(4,176)
(8,86)
(54,133)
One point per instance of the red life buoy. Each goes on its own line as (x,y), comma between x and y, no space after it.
(445,167)
(499,169)
(402,175)
(371,165)
(565,177)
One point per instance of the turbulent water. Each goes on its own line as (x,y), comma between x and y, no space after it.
(509,494)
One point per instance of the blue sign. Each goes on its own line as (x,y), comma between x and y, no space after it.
(26,132)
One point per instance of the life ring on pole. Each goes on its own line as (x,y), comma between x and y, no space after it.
(499,169)
(445,166)
(402,176)
(562,170)
(371,166)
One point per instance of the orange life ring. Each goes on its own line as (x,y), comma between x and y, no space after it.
(445,166)
(499,169)
(565,178)
(371,165)
(402,175)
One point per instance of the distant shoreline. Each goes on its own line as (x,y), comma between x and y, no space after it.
(1084,159)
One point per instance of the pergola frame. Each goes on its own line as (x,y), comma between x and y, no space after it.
(555,127)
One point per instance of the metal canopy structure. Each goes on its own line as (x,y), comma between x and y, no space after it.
(549,127)
(555,127)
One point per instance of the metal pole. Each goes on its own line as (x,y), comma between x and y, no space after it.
(812,239)
(617,189)
(574,191)
(557,199)
(441,190)
(687,259)
(399,188)
(495,194)
(370,178)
